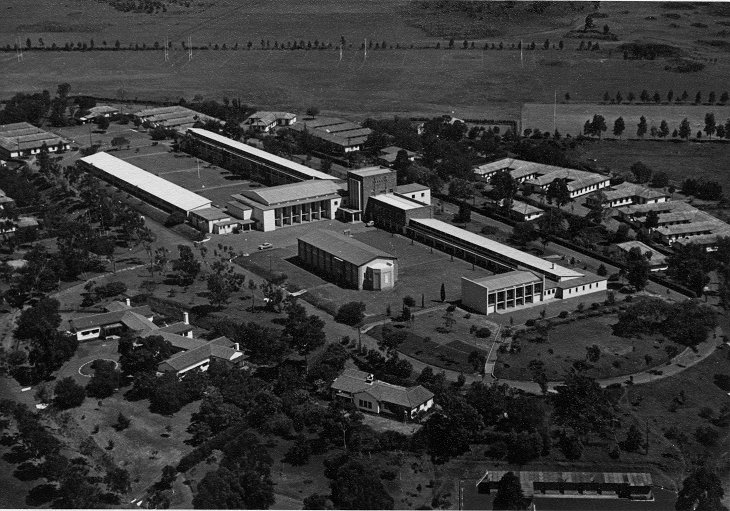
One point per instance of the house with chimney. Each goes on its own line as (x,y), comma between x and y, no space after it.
(374,396)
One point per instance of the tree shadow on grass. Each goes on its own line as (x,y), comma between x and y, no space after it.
(41,494)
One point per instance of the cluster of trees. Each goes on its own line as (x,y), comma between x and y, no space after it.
(69,483)
(646,97)
(706,190)
(687,323)
(597,126)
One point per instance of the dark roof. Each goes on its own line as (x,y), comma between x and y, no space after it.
(353,381)
(107,318)
(344,247)
(185,359)
(284,194)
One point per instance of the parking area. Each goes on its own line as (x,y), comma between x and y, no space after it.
(420,272)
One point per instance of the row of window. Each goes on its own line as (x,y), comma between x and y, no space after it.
(365,404)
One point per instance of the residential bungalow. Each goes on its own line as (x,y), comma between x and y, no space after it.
(525,212)
(347,261)
(520,170)
(578,182)
(264,122)
(374,396)
(174,117)
(200,354)
(119,318)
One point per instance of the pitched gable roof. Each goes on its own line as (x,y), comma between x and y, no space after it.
(344,247)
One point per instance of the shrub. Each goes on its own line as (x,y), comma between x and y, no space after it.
(68,393)
(483,333)
(489,230)
(351,313)
(707,436)
(722,381)
(572,447)
(530,322)
(706,412)
(563,314)
(176,218)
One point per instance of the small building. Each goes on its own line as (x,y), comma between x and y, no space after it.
(22,139)
(393,211)
(336,136)
(5,201)
(388,155)
(630,193)
(374,396)
(524,212)
(415,191)
(347,261)
(587,284)
(657,260)
(291,204)
(264,122)
(520,170)
(503,291)
(99,111)
(671,233)
(209,220)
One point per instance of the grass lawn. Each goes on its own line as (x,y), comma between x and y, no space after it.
(679,160)
(420,272)
(445,349)
(652,403)
(567,343)
(570,118)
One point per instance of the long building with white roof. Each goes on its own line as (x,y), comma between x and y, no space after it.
(257,164)
(484,251)
(23,139)
(142,184)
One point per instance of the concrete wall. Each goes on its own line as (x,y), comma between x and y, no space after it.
(474,296)
(581,290)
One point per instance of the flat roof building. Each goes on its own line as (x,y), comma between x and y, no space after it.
(290,204)
(393,211)
(347,261)
(142,184)
(484,251)
(364,183)
(250,161)
(22,139)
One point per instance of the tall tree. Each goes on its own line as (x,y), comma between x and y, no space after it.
(619,126)
(701,491)
(509,493)
(558,191)
(710,125)
(357,486)
(663,129)
(583,405)
(642,127)
(685,130)
(637,269)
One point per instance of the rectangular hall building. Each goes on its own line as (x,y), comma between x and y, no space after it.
(347,261)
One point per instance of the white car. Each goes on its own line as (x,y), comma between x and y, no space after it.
(265,246)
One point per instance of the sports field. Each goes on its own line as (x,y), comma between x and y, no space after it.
(570,118)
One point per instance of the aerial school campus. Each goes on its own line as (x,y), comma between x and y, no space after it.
(423,255)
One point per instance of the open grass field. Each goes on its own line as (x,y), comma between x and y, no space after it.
(679,160)
(570,118)
(653,403)
(567,343)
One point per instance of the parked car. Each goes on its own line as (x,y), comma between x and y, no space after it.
(265,246)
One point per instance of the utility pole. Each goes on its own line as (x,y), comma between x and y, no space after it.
(190,48)
(167,53)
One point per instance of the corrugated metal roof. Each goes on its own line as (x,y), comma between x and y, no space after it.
(509,279)
(253,151)
(280,194)
(698,227)
(346,248)
(23,136)
(659,207)
(518,257)
(164,190)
